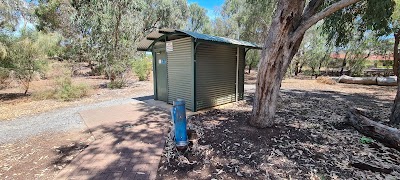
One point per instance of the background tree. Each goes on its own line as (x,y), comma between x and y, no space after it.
(163,14)
(198,20)
(111,30)
(382,25)
(26,57)
(13,12)
(245,21)
(290,21)
(314,51)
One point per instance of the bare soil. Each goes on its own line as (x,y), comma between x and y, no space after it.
(13,103)
(42,156)
(311,138)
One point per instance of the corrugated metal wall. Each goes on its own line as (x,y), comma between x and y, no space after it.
(241,72)
(180,71)
(215,74)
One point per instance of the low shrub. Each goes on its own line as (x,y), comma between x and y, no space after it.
(357,67)
(67,91)
(326,80)
(116,84)
(64,90)
(4,77)
(142,68)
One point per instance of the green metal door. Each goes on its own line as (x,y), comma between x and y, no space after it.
(161,66)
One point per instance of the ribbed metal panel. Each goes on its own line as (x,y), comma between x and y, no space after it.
(180,71)
(215,75)
(241,72)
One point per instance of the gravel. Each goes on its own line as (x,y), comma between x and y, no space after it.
(60,120)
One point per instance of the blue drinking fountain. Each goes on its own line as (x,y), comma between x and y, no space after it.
(178,114)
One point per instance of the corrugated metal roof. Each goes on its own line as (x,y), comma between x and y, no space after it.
(207,37)
(148,41)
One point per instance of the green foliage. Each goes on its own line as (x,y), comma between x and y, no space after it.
(245,21)
(366,140)
(358,50)
(11,12)
(64,90)
(142,68)
(4,75)
(26,58)
(333,63)
(50,43)
(163,14)
(112,29)
(26,54)
(357,67)
(355,20)
(198,20)
(67,91)
(396,17)
(3,51)
(46,12)
(314,51)
(252,58)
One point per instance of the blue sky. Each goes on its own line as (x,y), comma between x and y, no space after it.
(209,5)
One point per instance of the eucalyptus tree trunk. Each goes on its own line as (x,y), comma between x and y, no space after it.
(395,116)
(250,66)
(300,68)
(343,64)
(290,21)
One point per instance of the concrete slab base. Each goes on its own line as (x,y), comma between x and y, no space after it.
(130,140)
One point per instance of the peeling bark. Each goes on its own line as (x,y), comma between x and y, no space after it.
(395,115)
(279,51)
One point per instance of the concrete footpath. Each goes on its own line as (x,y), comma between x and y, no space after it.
(129,143)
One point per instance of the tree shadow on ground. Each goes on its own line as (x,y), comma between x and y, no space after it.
(377,108)
(144,98)
(12,96)
(310,139)
(127,149)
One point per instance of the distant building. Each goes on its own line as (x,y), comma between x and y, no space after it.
(373,57)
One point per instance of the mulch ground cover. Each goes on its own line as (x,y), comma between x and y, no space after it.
(310,140)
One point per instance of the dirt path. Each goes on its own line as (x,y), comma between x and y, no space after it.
(61,120)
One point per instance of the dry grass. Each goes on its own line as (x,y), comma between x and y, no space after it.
(326,80)
(43,96)
(380,92)
(41,99)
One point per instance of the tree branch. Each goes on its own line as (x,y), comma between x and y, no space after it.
(312,8)
(313,19)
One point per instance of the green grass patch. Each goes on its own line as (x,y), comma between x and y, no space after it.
(366,140)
